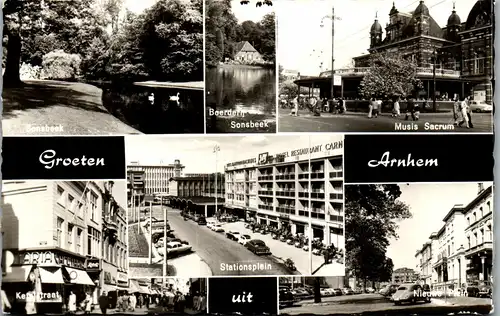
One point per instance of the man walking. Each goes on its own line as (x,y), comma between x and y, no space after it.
(103,303)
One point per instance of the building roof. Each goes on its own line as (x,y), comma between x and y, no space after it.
(376,27)
(421,9)
(456,208)
(480,14)
(208,176)
(244,46)
(478,198)
(454,19)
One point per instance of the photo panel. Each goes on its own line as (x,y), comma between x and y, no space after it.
(64,245)
(388,74)
(411,248)
(235,205)
(240,66)
(164,296)
(115,67)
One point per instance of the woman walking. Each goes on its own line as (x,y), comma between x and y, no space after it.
(396,110)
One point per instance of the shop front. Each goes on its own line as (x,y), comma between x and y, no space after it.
(122,282)
(50,275)
(93,267)
(273,221)
(108,282)
(319,232)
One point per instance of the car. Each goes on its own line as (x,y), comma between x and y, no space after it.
(201,220)
(210,224)
(300,293)
(324,292)
(217,228)
(286,297)
(347,291)
(485,289)
(480,107)
(258,247)
(358,290)
(176,248)
(389,290)
(233,235)
(243,239)
(410,293)
(370,290)
(338,292)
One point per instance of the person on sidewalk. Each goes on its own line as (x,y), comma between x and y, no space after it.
(72,303)
(133,302)
(463,112)
(469,112)
(396,110)
(103,303)
(140,301)
(5,302)
(88,303)
(370,107)
(376,105)
(410,109)
(295,107)
(30,306)
(457,114)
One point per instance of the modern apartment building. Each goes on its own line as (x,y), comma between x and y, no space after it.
(62,235)
(155,177)
(300,188)
(199,185)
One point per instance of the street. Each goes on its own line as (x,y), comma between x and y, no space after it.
(359,303)
(359,122)
(217,251)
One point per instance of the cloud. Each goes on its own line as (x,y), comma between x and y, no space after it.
(257,141)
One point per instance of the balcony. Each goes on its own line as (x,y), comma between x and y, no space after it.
(314,195)
(289,176)
(286,193)
(361,71)
(266,207)
(317,215)
(336,174)
(336,218)
(485,246)
(266,192)
(110,229)
(336,196)
(265,178)
(286,209)
(317,175)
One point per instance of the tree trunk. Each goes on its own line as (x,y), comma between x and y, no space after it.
(317,293)
(11,77)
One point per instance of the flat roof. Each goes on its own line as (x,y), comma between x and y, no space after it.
(192,85)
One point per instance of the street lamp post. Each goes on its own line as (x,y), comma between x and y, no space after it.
(434,60)
(216,150)
(333,18)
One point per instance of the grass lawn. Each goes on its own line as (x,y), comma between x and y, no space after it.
(151,270)
(137,244)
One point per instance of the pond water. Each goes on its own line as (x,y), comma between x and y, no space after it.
(249,91)
(156,110)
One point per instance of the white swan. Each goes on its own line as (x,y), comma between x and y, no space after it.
(175,98)
(151,98)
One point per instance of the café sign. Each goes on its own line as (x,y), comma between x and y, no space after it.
(266,158)
(93,264)
(121,277)
(50,258)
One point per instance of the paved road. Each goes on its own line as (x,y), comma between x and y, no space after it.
(358,122)
(216,250)
(68,108)
(374,302)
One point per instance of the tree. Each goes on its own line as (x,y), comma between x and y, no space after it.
(390,75)
(372,215)
(288,88)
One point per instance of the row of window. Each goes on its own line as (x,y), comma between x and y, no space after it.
(80,205)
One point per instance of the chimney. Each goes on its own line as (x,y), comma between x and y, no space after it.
(480,188)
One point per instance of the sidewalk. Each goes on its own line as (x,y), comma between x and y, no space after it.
(279,249)
(307,113)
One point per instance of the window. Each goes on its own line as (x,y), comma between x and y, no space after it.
(59,236)
(70,236)
(481,211)
(93,206)
(478,61)
(474,217)
(468,221)
(80,209)
(93,240)
(468,242)
(60,196)
(71,201)
(78,247)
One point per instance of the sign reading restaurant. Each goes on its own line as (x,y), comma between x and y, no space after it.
(264,158)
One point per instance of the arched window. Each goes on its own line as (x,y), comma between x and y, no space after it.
(479,61)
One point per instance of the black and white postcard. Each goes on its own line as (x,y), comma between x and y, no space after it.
(402,66)
(240,60)
(233,206)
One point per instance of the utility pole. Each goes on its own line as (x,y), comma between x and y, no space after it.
(333,18)
(151,233)
(434,61)
(216,150)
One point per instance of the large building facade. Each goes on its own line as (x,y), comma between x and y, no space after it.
(61,236)
(461,53)
(300,189)
(461,251)
(152,179)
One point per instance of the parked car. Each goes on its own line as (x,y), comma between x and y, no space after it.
(258,247)
(347,291)
(300,293)
(243,239)
(410,293)
(210,224)
(370,290)
(357,290)
(338,292)
(233,235)
(485,289)
(389,290)
(176,247)
(217,228)
(286,297)
(327,291)
(480,107)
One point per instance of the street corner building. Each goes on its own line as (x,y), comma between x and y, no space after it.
(459,257)
(297,195)
(62,237)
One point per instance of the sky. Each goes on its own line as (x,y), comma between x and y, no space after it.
(301,38)
(120,192)
(429,204)
(196,153)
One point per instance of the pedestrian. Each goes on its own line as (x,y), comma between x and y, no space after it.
(181,302)
(119,303)
(147,301)
(30,306)
(103,303)
(469,112)
(5,302)
(295,107)
(133,302)
(457,114)
(370,107)
(396,110)
(464,110)
(376,107)
(410,109)
(196,301)
(88,303)
(72,303)
(203,302)
(140,301)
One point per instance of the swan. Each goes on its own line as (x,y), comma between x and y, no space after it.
(151,98)
(175,98)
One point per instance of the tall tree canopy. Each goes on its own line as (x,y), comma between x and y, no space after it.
(372,215)
(390,75)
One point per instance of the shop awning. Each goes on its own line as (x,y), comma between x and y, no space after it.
(134,287)
(51,276)
(108,288)
(79,277)
(18,274)
(145,290)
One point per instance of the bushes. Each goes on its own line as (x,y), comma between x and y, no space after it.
(29,72)
(60,65)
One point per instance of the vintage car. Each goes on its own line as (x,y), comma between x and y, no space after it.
(243,239)
(411,293)
(258,247)
(233,235)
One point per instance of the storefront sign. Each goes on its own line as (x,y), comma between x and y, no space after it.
(109,278)
(242,162)
(93,264)
(50,258)
(266,158)
(121,277)
(40,297)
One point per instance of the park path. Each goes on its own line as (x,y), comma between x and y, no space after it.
(69,108)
